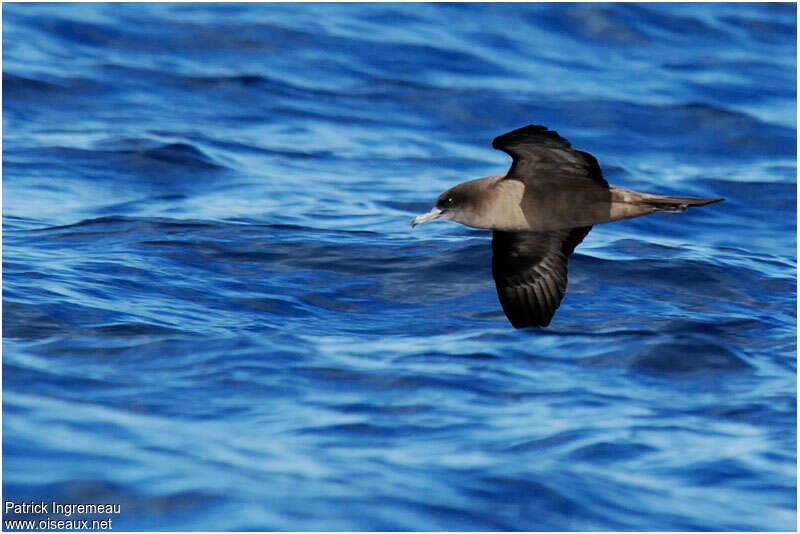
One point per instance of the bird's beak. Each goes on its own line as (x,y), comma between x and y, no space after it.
(435,213)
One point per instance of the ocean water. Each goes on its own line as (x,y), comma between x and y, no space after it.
(215,313)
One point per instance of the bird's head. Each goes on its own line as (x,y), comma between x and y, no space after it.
(455,204)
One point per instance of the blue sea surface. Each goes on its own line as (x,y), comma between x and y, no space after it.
(216,315)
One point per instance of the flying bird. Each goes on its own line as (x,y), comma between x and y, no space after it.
(539,211)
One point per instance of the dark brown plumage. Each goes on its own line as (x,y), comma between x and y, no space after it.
(530,272)
(540,210)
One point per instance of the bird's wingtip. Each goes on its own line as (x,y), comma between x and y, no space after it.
(532,133)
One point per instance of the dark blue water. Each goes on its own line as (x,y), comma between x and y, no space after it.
(215,313)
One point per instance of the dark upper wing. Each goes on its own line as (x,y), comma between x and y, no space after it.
(530,272)
(539,154)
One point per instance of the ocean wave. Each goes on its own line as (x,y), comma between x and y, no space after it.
(214,305)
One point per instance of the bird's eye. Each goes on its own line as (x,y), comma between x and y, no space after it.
(446,202)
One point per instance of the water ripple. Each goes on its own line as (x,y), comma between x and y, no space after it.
(214,305)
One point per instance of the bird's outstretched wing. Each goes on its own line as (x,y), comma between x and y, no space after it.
(542,154)
(530,272)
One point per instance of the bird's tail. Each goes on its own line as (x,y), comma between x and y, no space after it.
(667,203)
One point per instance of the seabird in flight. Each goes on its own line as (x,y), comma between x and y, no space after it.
(539,211)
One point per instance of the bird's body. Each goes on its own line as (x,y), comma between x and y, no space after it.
(518,206)
(540,210)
